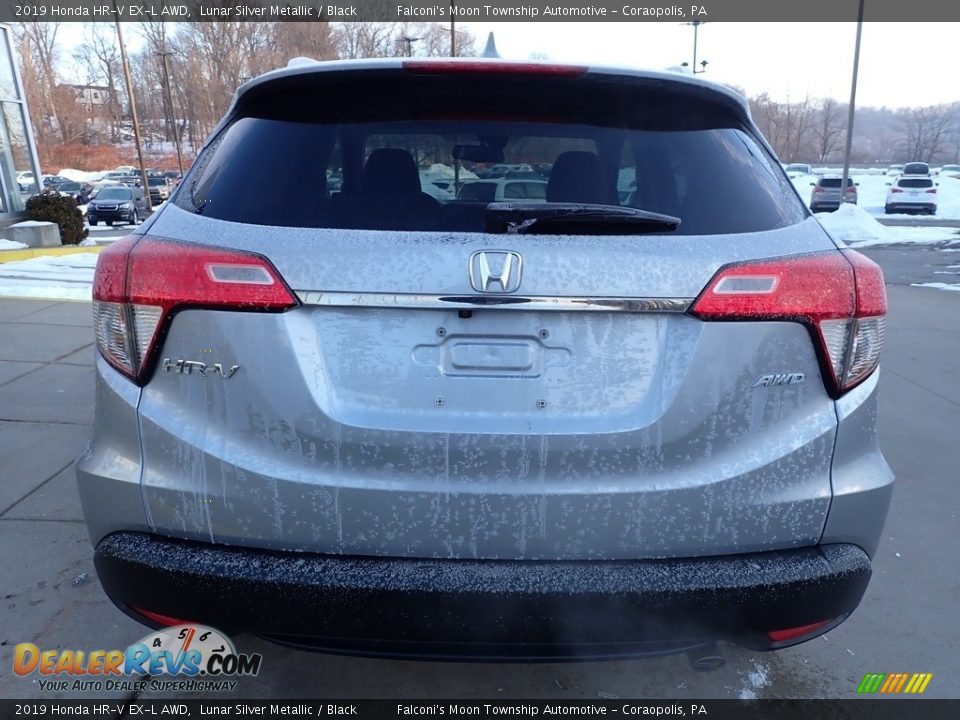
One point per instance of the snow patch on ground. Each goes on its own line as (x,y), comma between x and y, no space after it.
(79,175)
(853,225)
(11,245)
(757,679)
(32,223)
(66,277)
(939,286)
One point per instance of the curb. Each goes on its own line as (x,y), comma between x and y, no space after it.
(11,255)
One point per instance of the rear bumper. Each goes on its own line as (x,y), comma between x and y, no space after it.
(914,207)
(483,609)
(99,215)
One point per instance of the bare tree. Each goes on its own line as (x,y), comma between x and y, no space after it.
(37,45)
(828,128)
(926,131)
(100,58)
(366,39)
(385,39)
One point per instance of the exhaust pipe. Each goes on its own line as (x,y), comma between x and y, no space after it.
(706,657)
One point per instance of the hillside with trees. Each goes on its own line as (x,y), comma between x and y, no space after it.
(81,112)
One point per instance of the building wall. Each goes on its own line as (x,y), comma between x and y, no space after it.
(18,152)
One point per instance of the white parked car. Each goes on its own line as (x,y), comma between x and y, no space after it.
(795,170)
(504,189)
(952,171)
(912,193)
(26,181)
(894,170)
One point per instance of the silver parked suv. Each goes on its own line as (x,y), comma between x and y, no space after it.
(367,420)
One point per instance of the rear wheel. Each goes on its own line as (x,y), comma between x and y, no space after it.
(94,223)
(109,223)
(888,210)
(135,219)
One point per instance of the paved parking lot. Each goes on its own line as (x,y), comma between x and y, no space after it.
(909,621)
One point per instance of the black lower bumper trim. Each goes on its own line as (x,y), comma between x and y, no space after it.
(482,608)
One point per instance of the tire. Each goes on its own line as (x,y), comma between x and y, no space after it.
(108,223)
(94,223)
(135,220)
(888,210)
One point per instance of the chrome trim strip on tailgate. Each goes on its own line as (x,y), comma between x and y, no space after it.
(500,302)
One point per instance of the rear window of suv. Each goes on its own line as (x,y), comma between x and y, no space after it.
(390,134)
(834,182)
(915,182)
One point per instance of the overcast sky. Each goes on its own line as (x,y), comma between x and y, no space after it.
(901,64)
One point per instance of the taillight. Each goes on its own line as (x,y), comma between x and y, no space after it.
(140,282)
(932,190)
(896,190)
(161,620)
(793,635)
(838,295)
(818,189)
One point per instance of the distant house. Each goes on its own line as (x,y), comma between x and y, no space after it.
(96,101)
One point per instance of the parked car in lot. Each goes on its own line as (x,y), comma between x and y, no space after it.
(916,168)
(895,170)
(119,176)
(159,189)
(26,181)
(100,184)
(952,171)
(826,195)
(52,181)
(78,191)
(570,427)
(795,170)
(504,189)
(125,205)
(911,194)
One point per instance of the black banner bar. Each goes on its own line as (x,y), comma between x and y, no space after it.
(476,10)
(635,709)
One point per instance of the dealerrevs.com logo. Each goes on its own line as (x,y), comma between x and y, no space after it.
(179,658)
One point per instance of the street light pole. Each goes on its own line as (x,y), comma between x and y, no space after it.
(853,103)
(176,127)
(696,33)
(696,30)
(133,112)
(453,29)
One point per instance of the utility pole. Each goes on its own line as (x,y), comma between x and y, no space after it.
(696,31)
(410,41)
(853,103)
(133,109)
(453,29)
(176,127)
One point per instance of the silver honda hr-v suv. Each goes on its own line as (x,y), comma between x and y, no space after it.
(357,418)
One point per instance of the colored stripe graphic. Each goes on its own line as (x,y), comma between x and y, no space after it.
(918,683)
(895,683)
(871,682)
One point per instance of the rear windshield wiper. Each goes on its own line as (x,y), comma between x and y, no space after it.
(554,218)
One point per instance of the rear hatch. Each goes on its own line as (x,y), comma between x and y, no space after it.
(914,190)
(443,391)
(827,190)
